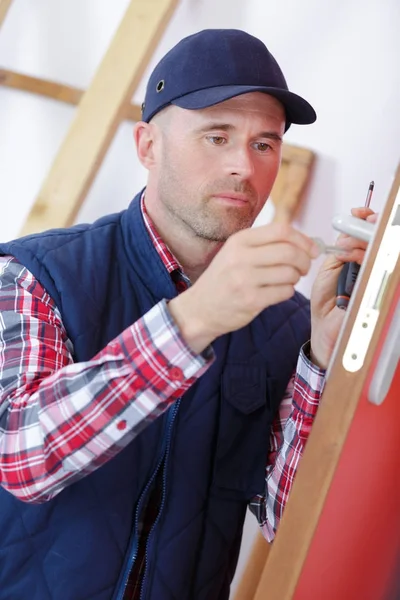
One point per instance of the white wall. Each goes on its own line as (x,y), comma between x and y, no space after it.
(342,55)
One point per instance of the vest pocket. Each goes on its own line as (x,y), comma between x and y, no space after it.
(244,430)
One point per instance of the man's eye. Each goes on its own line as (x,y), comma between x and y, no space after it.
(217,140)
(263,146)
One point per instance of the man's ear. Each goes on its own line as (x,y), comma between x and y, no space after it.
(144,136)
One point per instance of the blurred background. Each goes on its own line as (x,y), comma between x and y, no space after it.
(342,56)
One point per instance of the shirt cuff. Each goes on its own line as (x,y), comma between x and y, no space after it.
(306,353)
(309,384)
(167,339)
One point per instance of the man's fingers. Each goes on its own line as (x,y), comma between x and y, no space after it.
(350,243)
(362,212)
(355,255)
(274,294)
(281,232)
(280,254)
(280,275)
(365,213)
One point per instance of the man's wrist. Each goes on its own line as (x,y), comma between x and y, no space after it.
(190,324)
(314,358)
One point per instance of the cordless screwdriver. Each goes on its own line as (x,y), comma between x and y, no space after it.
(349,272)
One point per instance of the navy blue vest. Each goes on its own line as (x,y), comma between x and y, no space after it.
(210,447)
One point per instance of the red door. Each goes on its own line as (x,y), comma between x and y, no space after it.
(355,551)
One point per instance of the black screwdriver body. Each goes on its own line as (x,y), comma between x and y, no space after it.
(348,274)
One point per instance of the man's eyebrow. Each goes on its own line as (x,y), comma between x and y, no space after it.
(272,135)
(215,125)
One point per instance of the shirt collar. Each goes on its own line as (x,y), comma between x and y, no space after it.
(168,259)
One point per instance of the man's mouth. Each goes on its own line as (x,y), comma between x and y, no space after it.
(233,198)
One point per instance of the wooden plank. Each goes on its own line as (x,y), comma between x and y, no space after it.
(99,114)
(254,568)
(291,185)
(4,6)
(56,91)
(43,87)
(328,436)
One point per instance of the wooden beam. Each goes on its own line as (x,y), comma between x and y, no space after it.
(56,91)
(291,184)
(4,6)
(250,580)
(99,114)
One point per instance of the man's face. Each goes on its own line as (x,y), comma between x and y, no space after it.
(217,165)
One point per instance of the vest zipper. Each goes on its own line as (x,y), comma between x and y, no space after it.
(164,485)
(134,544)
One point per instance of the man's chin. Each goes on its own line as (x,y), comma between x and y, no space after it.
(234,218)
(221,234)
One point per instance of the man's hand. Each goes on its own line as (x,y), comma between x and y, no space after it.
(253,270)
(326,317)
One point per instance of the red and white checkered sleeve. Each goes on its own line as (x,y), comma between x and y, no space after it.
(61,420)
(289,435)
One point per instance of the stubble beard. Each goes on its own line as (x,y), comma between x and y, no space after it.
(203,216)
(209,223)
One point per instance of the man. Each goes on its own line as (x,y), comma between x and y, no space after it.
(156,371)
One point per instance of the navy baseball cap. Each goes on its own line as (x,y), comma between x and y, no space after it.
(214,65)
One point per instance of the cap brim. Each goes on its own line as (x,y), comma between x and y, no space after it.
(297,109)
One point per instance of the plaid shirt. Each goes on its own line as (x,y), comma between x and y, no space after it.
(61,420)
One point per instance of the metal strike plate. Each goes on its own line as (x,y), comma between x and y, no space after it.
(387,362)
(368,313)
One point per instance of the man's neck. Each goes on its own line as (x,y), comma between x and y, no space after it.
(193,253)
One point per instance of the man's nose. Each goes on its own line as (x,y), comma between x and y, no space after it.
(240,163)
